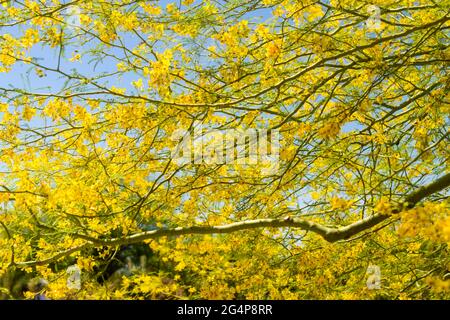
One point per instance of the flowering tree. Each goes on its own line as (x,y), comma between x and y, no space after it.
(94,95)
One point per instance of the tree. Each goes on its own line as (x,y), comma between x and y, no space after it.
(108,93)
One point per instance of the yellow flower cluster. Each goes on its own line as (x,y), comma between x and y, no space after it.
(159,72)
(431,221)
(438,285)
(383,206)
(329,130)
(338,203)
(230,38)
(57,109)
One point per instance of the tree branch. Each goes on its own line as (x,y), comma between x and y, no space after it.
(329,234)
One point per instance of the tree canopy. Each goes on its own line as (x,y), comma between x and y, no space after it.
(94,94)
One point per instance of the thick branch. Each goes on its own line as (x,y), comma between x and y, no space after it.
(52,259)
(329,234)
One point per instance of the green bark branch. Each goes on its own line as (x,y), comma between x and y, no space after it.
(329,234)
